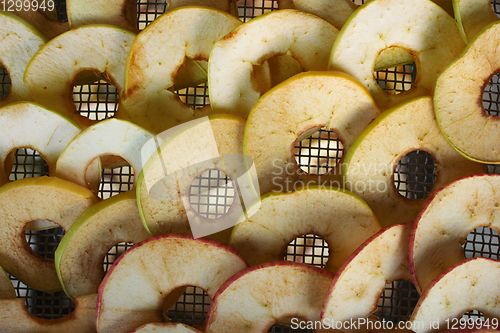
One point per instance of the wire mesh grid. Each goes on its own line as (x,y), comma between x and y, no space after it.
(96,101)
(491,96)
(415,175)
(319,153)
(211,194)
(397,79)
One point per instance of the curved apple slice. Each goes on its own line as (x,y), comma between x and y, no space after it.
(165,328)
(15,318)
(471,284)
(431,37)
(231,80)
(111,136)
(443,225)
(152,269)
(19,42)
(361,280)
(44,21)
(28,125)
(28,199)
(50,74)
(81,252)
(156,56)
(459,107)
(343,220)
(472,16)
(6,288)
(293,109)
(260,296)
(120,13)
(370,163)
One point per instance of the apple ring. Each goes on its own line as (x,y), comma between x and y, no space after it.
(472,16)
(44,21)
(28,199)
(7,290)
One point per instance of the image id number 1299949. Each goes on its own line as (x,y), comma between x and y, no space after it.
(27,5)
(462,323)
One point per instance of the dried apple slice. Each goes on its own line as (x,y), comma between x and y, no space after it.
(431,37)
(361,280)
(120,13)
(458,98)
(14,317)
(7,290)
(81,252)
(471,284)
(232,78)
(28,199)
(151,270)
(294,110)
(370,163)
(445,222)
(472,16)
(50,74)
(339,217)
(165,328)
(261,296)
(158,54)
(19,42)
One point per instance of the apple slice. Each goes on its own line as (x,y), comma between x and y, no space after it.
(165,328)
(370,163)
(28,199)
(260,296)
(152,269)
(445,222)
(458,98)
(44,21)
(110,136)
(120,13)
(229,6)
(28,125)
(19,42)
(98,48)
(81,252)
(431,37)
(361,280)
(7,290)
(231,80)
(472,16)
(339,217)
(471,284)
(15,318)
(157,55)
(292,111)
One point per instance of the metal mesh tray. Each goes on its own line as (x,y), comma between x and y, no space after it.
(414,178)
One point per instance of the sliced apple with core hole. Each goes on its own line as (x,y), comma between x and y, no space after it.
(82,250)
(157,55)
(361,280)
(445,222)
(339,217)
(165,328)
(294,110)
(472,16)
(151,270)
(260,296)
(19,42)
(15,318)
(472,284)
(431,37)
(370,164)
(7,290)
(28,199)
(51,73)
(44,21)
(458,98)
(232,73)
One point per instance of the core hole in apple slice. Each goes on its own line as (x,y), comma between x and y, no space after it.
(415,175)
(308,249)
(116,178)
(28,163)
(196,97)
(482,242)
(4,82)
(397,301)
(318,151)
(97,100)
(191,308)
(491,95)
(396,78)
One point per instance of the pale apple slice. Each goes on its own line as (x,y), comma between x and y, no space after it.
(471,284)
(28,199)
(472,16)
(431,37)
(108,137)
(339,217)
(370,164)
(19,42)
(44,20)
(445,222)
(229,6)
(81,252)
(361,280)
(15,318)
(156,56)
(133,291)
(231,80)
(165,328)
(7,290)
(120,13)
(52,71)
(294,110)
(258,297)
(458,98)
